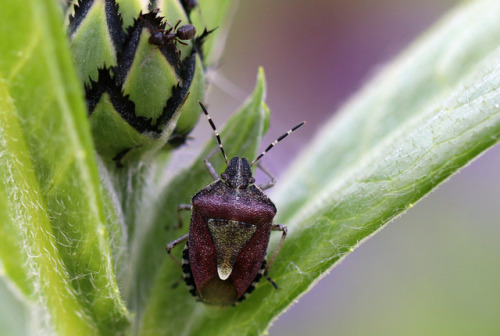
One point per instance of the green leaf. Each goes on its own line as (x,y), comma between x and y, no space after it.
(50,190)
(241,136)
(28,230)
(426,115)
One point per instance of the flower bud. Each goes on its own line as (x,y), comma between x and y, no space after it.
(137,79)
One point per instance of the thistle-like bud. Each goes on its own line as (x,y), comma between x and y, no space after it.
(142,79)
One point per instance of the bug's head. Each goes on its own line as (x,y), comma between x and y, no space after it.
(186,32)
(238,174)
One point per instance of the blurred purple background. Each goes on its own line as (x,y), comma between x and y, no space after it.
(434,271)
(315,55)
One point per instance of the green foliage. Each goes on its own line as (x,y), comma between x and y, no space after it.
(56,222)
(78,247)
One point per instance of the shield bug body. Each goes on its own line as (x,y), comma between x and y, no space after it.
(231,222)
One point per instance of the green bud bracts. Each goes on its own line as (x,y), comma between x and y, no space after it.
(143,78)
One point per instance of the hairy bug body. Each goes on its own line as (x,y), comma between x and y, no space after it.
(231,222)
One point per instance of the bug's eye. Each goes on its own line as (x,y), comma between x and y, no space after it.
(251,180)
(224,176)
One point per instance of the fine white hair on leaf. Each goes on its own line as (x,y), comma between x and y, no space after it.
(114,215)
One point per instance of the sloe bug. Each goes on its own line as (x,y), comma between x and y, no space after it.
(231,222)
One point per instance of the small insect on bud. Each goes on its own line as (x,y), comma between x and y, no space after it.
(231,222)
(186,32)
(162,37)
(138,84)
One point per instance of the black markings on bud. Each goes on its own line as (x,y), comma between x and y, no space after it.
(124,106)
(113,19)
(81,10)
(189,5)
(112,84)
(198,42)
(115,23)
(124,75)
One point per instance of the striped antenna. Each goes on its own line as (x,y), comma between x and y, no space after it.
(215,131)
(275,142)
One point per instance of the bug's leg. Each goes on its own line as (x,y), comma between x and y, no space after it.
(283,229)
(182,207)
(271,281)
(177,24)
(168,24)
(209,166)
(173,244)
(268,184)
